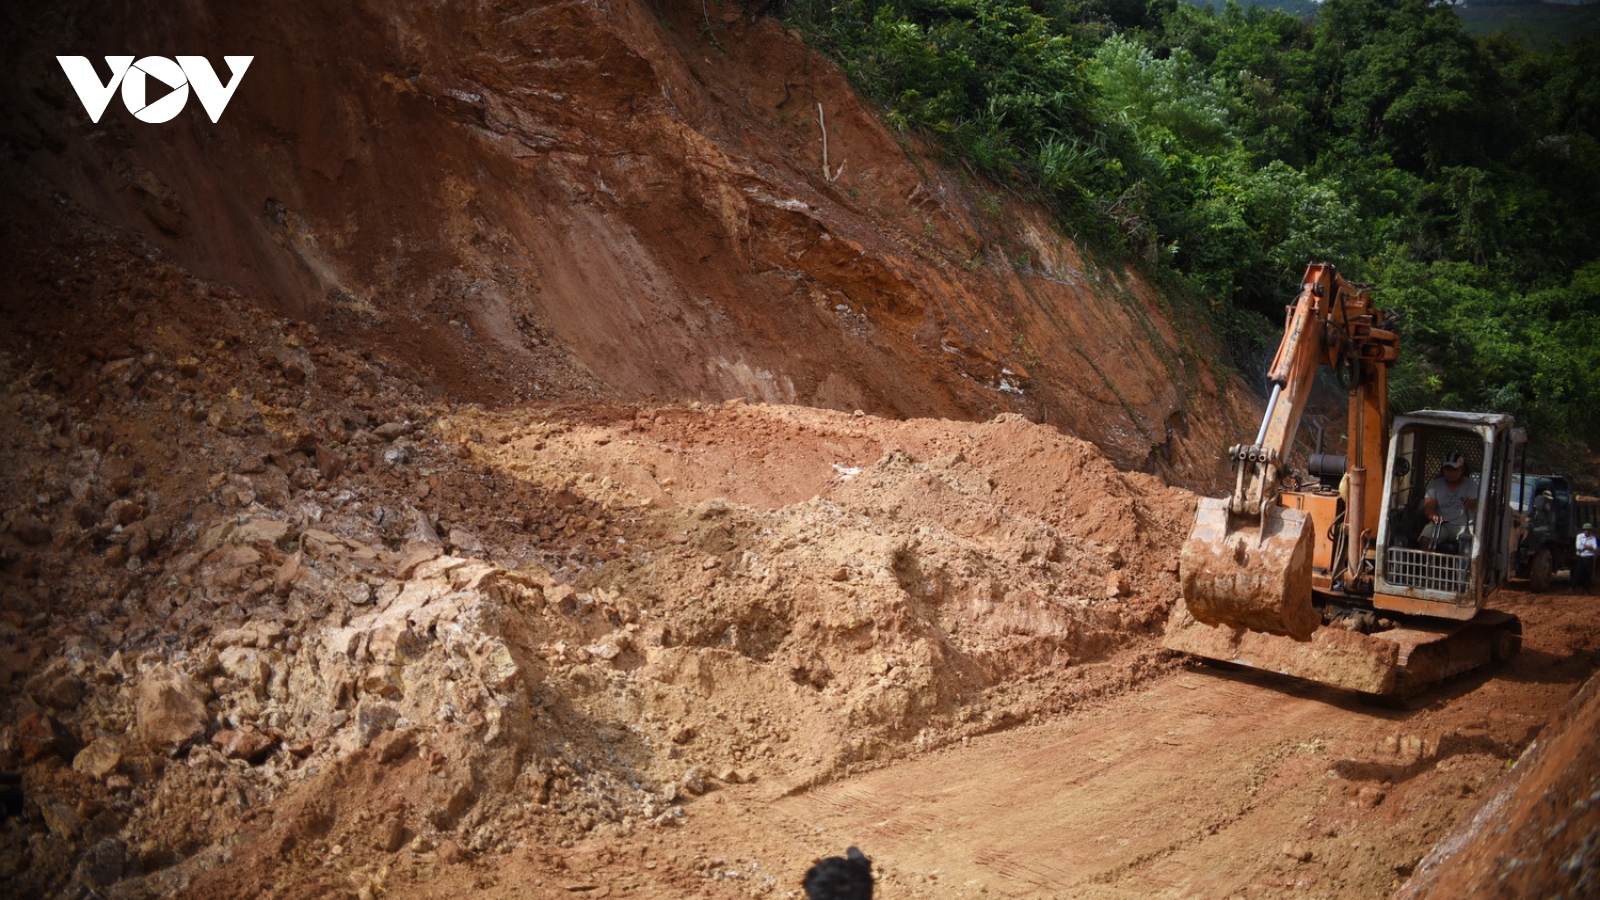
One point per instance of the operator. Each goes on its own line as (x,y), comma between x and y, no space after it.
(1451,500)
(1583,563)
(1544,510)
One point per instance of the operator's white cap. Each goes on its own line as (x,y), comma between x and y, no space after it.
(1455,461)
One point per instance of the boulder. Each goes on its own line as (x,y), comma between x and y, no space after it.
(251,634)
(373,719)
(284,578)
(391,745)
(39,736)
(262,531)
(170,709)
(245,743)
(103,864)
(463,541)
(248,667)
(329,463)
(414,554)
(29,529)
(61,818)
(391,835)
(58,687)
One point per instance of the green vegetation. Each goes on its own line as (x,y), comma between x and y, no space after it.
(1533,23)
(1224,149)
(1297,7)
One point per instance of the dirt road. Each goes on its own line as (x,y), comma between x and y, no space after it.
(1214,784)
(1202,783)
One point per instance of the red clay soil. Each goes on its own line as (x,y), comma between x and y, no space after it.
(300,640)
(495,459)
(563,202)
(1538,835)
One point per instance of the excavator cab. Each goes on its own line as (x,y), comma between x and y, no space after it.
(1421,569)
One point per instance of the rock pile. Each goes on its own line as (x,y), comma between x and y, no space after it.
(266,600)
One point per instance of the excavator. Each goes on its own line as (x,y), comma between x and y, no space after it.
(1336,573)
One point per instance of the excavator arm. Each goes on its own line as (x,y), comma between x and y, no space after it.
(1247,563)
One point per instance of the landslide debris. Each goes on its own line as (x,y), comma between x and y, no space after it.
(269,601)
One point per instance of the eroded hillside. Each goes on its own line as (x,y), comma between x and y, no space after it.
(299,555)
(551,202)
(277,622)
(256,582)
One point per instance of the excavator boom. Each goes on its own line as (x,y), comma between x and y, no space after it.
(1247,563)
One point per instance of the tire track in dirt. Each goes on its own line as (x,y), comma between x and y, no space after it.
(1210,783)
(1033,815)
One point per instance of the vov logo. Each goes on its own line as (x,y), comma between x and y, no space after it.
(134,77)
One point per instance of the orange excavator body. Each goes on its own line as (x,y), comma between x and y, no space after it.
(1322,578)
(1248,562)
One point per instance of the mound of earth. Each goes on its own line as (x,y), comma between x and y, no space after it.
(266,600)
(373,494)
(1539,833)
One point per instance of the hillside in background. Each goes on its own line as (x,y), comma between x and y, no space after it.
(1223,149)
(1535,23)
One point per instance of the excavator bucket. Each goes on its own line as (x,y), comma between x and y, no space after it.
(1253,574)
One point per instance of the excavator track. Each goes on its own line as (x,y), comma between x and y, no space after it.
(1397,662)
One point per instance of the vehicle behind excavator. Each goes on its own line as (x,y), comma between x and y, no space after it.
(1551,515)
(1335,573)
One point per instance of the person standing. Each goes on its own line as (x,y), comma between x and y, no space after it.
(1583,564)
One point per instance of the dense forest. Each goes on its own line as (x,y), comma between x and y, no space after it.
(1223,149)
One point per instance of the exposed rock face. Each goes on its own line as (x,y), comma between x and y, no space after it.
(562,202)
